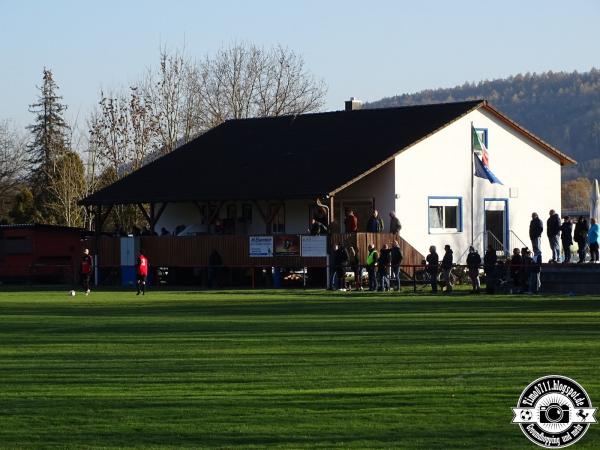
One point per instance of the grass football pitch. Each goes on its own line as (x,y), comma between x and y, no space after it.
(295,369)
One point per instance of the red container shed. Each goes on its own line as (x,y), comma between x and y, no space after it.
(40,253)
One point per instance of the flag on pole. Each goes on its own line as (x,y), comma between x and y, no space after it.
(481,165)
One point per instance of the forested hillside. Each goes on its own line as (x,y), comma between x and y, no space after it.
(562,108)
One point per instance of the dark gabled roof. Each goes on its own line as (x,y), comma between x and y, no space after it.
(281,157)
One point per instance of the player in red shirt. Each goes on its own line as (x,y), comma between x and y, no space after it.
(86,270)
(142,273)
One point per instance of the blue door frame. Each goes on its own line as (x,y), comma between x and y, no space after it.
(506,220)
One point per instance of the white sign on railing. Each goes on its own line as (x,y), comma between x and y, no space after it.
(261,246)
(314,246)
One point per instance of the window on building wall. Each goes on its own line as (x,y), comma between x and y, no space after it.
(483,135)
(445,214)
(278,223)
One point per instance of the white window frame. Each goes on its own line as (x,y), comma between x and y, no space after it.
(443,202)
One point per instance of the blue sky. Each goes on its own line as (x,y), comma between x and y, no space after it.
(364,49)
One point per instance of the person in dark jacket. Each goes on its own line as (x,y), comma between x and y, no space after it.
(317,228)
(594,241)
(375,223)
(383,267)
(553,232)
(527,261)
(395,226)
(489,266)
(581,232)
(473,263)
(516,263)
(351,222)
(566,237)
(214,268)
(372,258)
(536,227)
(87,267)
(340,259)
(447,262)
(354,262)
(433,261)
(535,268)
(396,260)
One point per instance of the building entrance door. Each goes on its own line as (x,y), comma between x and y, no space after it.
(496,224)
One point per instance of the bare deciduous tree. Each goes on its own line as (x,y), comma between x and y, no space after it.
(164,90)
(12,163)
(67,187)
(180,99)
(244,81)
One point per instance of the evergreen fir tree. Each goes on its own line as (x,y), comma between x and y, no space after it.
(49,141)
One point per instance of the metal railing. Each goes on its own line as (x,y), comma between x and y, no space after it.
(516,241)
(491,239)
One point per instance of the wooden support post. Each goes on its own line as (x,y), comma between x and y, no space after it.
(152,221)
(331,210)
(158,214)
(215,213)
(202,210)
(104,216)
(145,214)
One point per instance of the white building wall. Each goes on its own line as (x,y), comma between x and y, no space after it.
(378,187)
(440,166)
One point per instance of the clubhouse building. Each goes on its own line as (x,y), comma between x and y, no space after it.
(268,177)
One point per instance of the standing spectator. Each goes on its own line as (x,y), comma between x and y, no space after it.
(320,215)
(396,260)
(447,262)
(473,263)
(553,232)
(433,261)
(535,269)
(372,258)
(354,261)
(395,226)
(317,228)
(383,267)
(526,265)
(489,266)
(351,222)
(375,223)
(334,227)
(516,263)
(581,232)
(593,236)
(214,268)
(566,236)
(535,232)
(340,259)
(142,273)
(87,267)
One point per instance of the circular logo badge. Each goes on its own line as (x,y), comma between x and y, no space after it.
(554,412)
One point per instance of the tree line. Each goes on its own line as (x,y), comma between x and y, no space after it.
(45,171)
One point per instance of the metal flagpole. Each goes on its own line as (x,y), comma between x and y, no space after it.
(472,186)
